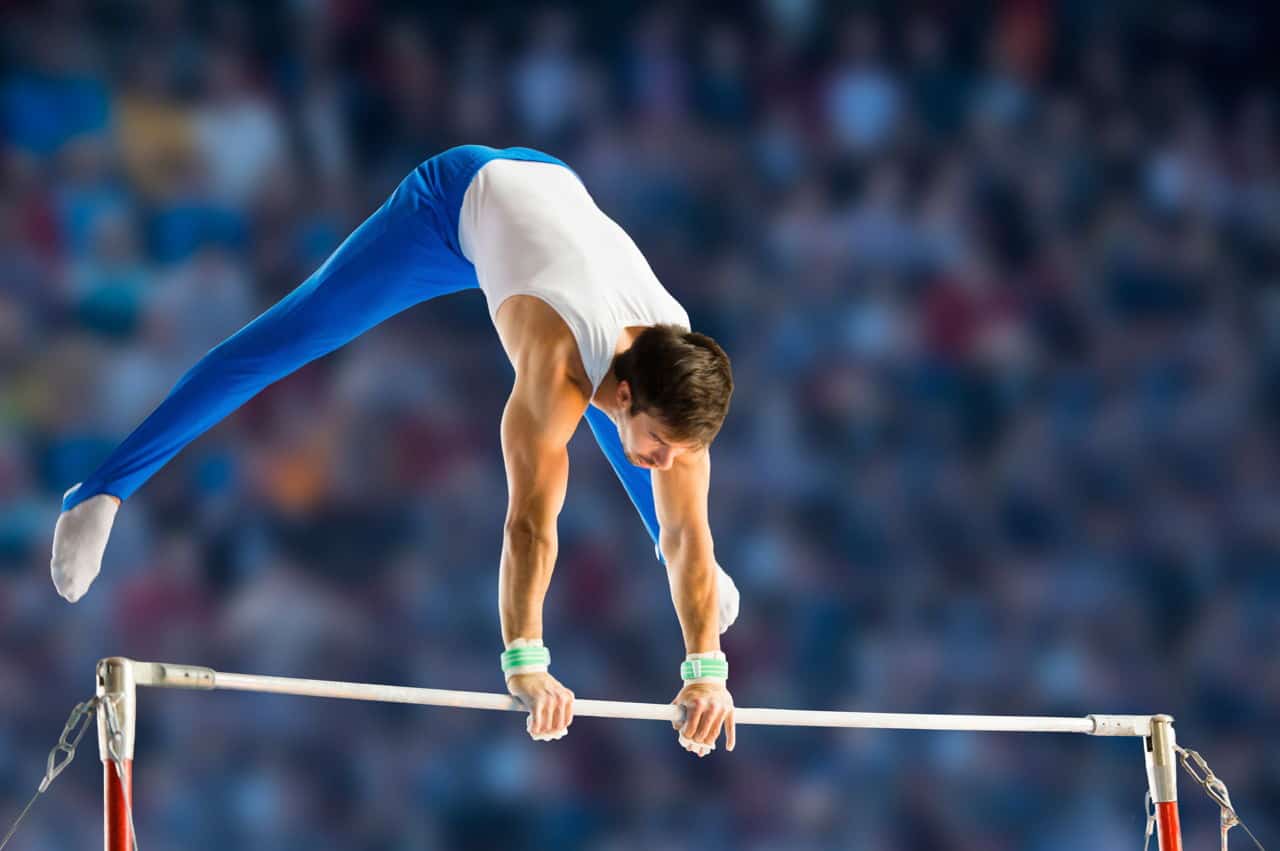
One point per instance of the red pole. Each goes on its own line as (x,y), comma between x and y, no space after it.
(117,798)
(1167,828)
(1162,781)
(117,721)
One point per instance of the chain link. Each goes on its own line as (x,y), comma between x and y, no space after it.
(65,751)
(1195,765)
(60,757)
(1150,807)
(78,724)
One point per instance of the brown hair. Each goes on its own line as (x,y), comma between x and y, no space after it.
(681,377)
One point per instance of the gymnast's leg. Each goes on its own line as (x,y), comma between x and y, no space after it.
(638,483)
(397,258)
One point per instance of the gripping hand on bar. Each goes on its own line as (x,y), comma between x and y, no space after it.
(550,705)
(704,709)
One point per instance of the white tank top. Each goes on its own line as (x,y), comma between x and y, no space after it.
(531,228)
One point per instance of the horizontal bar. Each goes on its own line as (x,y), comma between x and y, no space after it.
(166,675)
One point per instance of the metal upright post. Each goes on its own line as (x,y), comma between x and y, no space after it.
(117,716)
(1162,781)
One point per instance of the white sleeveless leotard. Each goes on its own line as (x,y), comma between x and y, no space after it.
(531,228)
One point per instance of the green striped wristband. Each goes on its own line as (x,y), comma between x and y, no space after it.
(708,668)
(525,660)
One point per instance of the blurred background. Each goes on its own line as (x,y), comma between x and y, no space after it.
(1001,284)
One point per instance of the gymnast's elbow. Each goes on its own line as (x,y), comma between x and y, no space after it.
(527,533)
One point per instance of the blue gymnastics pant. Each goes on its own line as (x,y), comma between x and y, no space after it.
(406,253)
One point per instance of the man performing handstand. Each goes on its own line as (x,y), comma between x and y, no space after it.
(589,330)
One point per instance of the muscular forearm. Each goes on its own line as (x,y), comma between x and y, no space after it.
(691,570)
(528,559)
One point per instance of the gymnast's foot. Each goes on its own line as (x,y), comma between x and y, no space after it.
(79,540)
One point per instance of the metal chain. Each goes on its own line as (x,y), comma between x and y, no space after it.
(1150,807)
(60,757)
(1217,790)
(65,751)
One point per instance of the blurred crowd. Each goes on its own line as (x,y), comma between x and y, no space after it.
(1002,291)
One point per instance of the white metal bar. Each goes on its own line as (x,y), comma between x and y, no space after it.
(190,676)
(649,711)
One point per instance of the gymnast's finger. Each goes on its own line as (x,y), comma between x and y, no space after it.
(708,725)
(563,703)
(694,710)
(541,715)
(568,708)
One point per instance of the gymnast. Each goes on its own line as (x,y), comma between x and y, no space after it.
(589,331)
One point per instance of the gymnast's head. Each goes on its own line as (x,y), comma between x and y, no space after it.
(673,391)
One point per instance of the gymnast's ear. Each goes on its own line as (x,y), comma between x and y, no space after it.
(624,394)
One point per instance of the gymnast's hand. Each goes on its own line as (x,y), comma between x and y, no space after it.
(550,704)
(708,706)
(79,540)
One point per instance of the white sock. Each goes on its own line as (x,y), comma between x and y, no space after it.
(79,540)
(728,600)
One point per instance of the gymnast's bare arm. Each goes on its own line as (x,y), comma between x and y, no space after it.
(541,415)
(680,496)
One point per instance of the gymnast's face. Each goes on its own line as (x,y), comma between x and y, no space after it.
(645,439)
